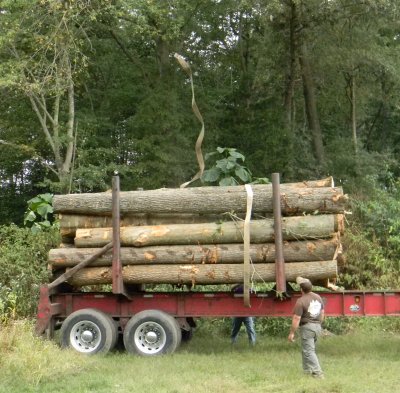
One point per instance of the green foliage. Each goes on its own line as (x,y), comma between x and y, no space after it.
(39,215)
(380,215)
(228,169)
(23,266)
(27,361)
(279,326)
(366,266)
(8,303)
(372,239)
(349,325)
(275,327)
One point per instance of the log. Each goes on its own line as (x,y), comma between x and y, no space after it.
(261,231)
(311,250)
(203,274)
(206,200)
(69,223)
(73,221)
(327,182)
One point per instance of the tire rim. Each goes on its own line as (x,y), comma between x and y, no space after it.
(150,337)
(85,336)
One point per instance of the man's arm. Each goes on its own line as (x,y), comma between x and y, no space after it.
(295,325)
(322,316)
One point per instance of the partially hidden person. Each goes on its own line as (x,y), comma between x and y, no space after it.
(237,322)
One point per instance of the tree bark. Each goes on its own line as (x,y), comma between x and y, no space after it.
(69,223)
(354,112)
(206,200)
(203,274)
(291,72)
(261,231)
(305,251)
(310,101)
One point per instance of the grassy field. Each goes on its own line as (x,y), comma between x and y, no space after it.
(353,363)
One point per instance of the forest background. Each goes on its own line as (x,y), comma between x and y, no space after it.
(306,88)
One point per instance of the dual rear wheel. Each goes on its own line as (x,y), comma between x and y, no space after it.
(148,333)
(152,332)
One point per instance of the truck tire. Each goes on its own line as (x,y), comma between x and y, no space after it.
(152,332)
(89,331)
(187,335)
(178,332)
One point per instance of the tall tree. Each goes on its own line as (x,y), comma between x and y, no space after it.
(42,50)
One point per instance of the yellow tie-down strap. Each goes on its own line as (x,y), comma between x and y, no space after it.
(199,155)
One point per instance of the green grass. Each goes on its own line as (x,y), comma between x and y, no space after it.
(353,363)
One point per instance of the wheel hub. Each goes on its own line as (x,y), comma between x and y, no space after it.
(87,336)
(151,337)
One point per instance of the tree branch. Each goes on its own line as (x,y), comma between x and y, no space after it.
(70,124)
(29,149)
(131,58)
(34,100)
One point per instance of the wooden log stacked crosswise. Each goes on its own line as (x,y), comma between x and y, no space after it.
(195,235)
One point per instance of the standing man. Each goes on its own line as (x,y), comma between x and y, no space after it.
(238,321)
(308,313)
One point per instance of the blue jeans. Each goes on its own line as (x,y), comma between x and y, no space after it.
(248,323)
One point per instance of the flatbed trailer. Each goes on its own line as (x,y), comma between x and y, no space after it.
(220,304)
(153,323)
(146,319)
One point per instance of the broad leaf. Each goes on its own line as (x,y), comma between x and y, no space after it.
(44,209)
(237,155)
(30,217)
(45,224)
(47,197)
(228,181)
(242,174)
(211,175)
(225,165)
(222,149)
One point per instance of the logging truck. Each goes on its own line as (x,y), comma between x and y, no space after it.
(118,249)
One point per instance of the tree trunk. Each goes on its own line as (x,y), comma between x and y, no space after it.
(311,104)
(203,274)
(69,223)
(50,123)
(305,251)
(261,231)
(353,112)
(206,200)
(291,75)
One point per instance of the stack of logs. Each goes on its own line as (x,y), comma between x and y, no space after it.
(195,235)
